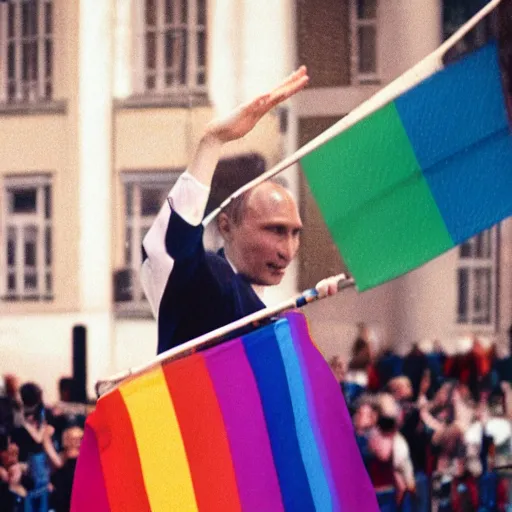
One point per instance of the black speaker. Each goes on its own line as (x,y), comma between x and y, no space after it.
(80,364)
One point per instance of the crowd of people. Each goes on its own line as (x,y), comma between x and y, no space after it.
(39,446)
(434,431)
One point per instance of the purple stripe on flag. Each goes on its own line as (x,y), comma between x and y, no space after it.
(246,429)
(89,491)
(353,485)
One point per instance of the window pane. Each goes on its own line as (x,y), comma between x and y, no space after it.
(152,200)
(11,91)
(482,296)
(483,245)
(49,283)
(184,10)
(48,55)
(201,49)
(183,51)
(151,50)
(366,9)
(30,243)
(201,12)
(150,12)
(48,246)
(24,201)
(25,18)
(11,247)
(11,283)
(11,61)
(11,16)
(29,16)
(169,11)
(47,202)
(150,82)
(48,18)
(26,49)
(367,49)
(128,246)
(30,281)
(465,250)
(463,283)
(129,199)
(170,49)
(34,58)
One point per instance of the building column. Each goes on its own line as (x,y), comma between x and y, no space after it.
(409,31)
(95,156)
(225,54)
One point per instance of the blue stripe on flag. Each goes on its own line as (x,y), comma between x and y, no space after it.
(265,360)
(473,190)
(454,108)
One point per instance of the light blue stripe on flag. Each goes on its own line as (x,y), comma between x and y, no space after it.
(307,442)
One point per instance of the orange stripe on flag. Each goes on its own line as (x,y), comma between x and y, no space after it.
(119,456)
(204,435)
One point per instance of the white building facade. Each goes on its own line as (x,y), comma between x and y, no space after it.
(101,107)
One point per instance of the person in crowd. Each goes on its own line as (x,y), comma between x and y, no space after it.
(35,437)
(365,420)
(390,466)
(62,479)
(464,495)
(388,366)
(361,359)
(414,366)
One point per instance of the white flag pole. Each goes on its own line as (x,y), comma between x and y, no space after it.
(218,335)
(413,76)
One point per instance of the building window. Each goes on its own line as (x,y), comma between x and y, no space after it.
(27,244)
(477,279)
(26,46)
(364,35)
(145,193)
(455,14)
(172,48)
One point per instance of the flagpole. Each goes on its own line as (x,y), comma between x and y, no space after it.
(413,76)
(214,337)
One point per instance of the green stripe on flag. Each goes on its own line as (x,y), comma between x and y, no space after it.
(374,199)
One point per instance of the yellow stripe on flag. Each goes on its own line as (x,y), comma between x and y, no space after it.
(162,454)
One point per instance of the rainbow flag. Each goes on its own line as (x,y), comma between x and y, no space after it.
(256,424)
(421,174)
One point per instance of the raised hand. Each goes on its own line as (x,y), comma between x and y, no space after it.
(243,119)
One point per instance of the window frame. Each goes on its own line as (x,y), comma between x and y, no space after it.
(42,221)
(474,264)
(135,221)
(193,67)
(27,90)
(357,23)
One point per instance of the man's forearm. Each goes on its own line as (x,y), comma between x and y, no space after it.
(204,162)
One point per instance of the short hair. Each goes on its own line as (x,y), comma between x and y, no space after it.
(235,209)
(31,394)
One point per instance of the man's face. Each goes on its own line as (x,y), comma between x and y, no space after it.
(266,239)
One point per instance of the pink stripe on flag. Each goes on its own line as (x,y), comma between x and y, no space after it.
(240,404)
(88,485)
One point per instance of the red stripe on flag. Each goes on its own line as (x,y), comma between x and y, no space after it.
(119,455)
(203,433)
